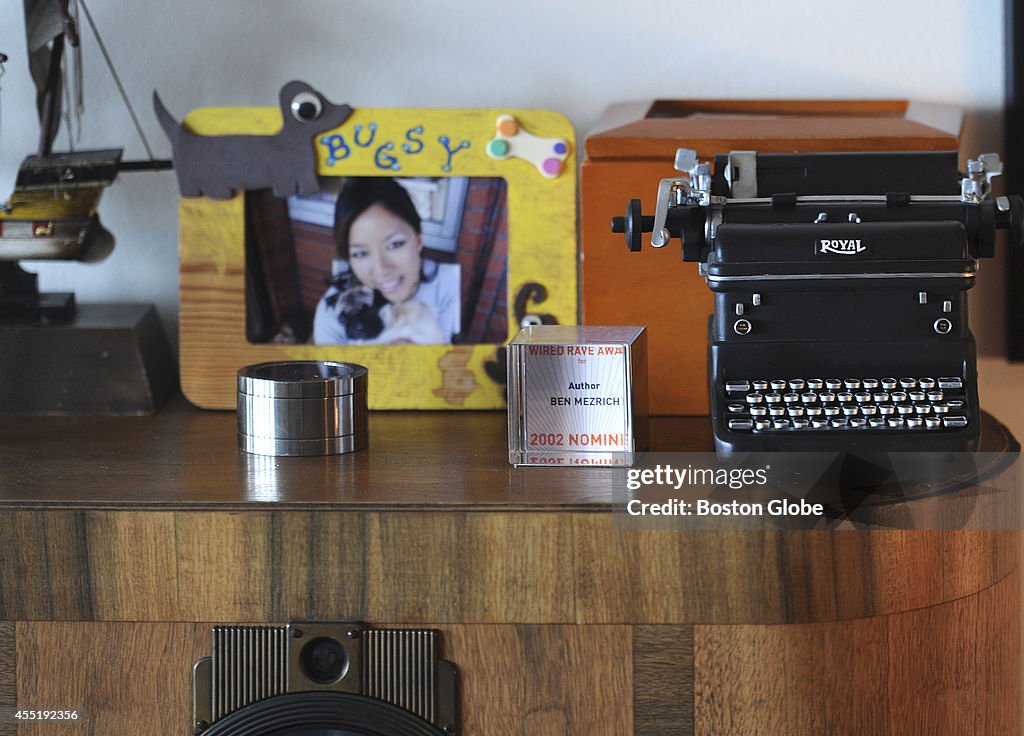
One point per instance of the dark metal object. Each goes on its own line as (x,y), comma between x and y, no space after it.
(334,675)
(111,359)
(21,302)
(920,172)
(869,283)
(84,169)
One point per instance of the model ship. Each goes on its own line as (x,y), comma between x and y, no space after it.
(52,212)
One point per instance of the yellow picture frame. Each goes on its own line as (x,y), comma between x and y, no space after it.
(542,252)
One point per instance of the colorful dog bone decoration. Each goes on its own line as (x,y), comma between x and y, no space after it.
(512,141)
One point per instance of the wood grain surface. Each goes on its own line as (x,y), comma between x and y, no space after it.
(121,678)
(461,566)
(115,540)
(8,675)
(187,458)
(948,669)
(663,680)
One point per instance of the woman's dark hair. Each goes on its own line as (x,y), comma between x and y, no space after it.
(361,193)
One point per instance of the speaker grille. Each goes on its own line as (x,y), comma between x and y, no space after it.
(399,667)
(249,664)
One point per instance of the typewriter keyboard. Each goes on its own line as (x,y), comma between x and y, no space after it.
(846,404)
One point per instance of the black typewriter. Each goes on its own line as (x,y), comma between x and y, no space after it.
(840,319)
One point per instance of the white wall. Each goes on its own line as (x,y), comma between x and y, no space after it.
(575,57)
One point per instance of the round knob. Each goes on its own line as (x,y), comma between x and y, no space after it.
(1010,216)
(634,226)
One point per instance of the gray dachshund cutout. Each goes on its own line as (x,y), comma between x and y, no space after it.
(217,165)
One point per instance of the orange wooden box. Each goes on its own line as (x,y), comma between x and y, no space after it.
(633,147)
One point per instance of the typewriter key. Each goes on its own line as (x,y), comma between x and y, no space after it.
(815,384)
(926,383)
(889,383)
(956,421)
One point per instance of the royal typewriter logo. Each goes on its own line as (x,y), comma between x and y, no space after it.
(841,247)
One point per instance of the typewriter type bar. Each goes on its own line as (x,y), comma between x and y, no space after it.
(841,314)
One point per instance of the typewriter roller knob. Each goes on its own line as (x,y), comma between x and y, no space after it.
(633,225)
(1009,214)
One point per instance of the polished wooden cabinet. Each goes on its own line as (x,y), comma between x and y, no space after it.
(123,540)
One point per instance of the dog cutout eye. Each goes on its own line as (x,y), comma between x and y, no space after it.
(306,107)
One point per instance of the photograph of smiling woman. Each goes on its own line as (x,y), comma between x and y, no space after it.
(379,261)
(383,289)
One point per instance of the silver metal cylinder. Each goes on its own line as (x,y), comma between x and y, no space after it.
(307,407)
